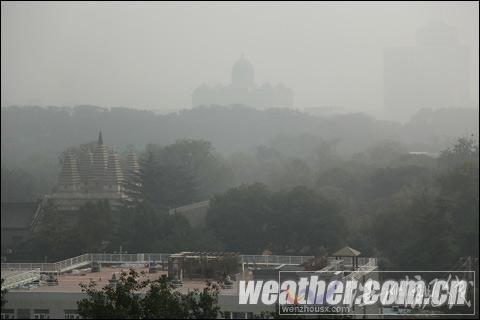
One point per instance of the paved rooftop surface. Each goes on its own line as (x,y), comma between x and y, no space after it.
(9,273)
(69,282)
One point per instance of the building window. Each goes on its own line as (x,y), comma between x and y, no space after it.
(8,314)
(239,315)
(23,313)
(41,314)
(71,314)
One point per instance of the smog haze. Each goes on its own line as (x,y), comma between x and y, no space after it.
(153,55)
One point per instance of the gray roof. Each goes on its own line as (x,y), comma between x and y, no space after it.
(346,252)
(113,172)
(69,173)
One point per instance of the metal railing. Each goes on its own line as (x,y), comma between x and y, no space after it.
(74,262)
(88,258)
(274,260)
(18,279)
(362,270)
(44,267)
(130,258)
(38,212)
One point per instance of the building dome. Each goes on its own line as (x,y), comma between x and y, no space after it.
(243,74)
(243,91)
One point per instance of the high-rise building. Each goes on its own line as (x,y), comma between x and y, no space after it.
(435,73)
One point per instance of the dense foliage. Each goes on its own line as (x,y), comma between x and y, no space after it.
(33,137)
(251,218)
(125,300)
(3,294)
(293,194)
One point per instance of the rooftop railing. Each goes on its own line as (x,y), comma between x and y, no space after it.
(20,278)
(274,260)
(119,258)
(369,266)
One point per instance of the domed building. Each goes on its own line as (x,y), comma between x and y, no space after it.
(243,74)
(243,90)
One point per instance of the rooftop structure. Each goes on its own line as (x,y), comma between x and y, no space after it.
(346,252)
(191,265)
(54,294)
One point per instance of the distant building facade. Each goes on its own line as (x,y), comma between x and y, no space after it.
(243,90)
(433,74)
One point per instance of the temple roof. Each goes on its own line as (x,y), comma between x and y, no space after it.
(100,160)
(69,173)
(114,172)
(97,172)
(132,165)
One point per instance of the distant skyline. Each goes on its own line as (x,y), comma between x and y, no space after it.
(153,55)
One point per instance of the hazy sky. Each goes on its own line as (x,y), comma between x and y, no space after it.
(153,55)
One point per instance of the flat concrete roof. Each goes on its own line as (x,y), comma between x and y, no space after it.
(70,282)
(9,273)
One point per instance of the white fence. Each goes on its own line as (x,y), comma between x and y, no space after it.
(274,260)
(19,278)
(369,266)
(88,258)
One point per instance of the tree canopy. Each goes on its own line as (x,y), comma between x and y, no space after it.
(133,296)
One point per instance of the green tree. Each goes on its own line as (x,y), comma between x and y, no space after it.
(53,237)
(183,172)
(3,294)
(250,219)
(413,231)
(140,227)
(125,300)
(161,302)
(239,217)
(95,226)
(165,183)
(459,193)
(120,301)
(302,221)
